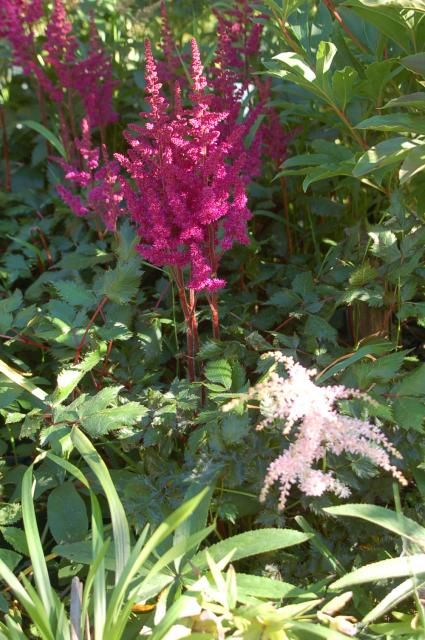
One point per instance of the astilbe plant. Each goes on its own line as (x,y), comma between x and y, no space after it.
(187,190)
(79,86)
(308,415)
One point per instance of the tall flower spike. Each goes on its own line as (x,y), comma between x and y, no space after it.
(307,413)
(186,193)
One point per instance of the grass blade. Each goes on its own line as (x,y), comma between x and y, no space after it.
(119,520)
(36,552)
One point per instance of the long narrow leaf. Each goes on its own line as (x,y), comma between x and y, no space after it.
(395,522)
(97,570)
(119,519)
(392,599)
(117,614)
(48,135)
(41,575)
(393,568)
(36,613)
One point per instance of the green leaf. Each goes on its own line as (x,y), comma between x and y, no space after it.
(415,63)
(399,122)
(364,274)
(219,372)
(319,328)
(74,294)
(416,99)
(234,428)
(119,520)
(251,543)
(329,171)
(413,565)
(296,64)
(39,566)
(48,135)
(385,245)
(388,20)
(326,52)
(417,5)
(261,587)
(413,164)
(373,348)
(412,384)
(409,413)
(16,538)
(122,283)
(383,154)
(69,378)
(67,514)
(97,417)
(390,520)
(343,83)
(393,599)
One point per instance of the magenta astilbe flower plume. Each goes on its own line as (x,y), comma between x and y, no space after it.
(17,18)
(95,83)
(186,190)
(308,414)
(61,46)
(96,179)
(168,69)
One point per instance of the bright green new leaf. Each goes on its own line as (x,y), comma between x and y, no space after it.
(251,543)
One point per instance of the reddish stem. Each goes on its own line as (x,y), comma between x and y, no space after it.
(7,172)
(92,319)
(189,313)
(215,319)
(329,4)
(25,340)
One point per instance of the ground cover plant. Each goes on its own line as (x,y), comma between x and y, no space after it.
(212,319)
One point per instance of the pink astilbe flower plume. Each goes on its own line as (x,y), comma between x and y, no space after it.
(96,181)
(307,414)
(186,189)
(95,82)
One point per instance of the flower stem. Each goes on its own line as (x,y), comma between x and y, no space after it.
(92,319)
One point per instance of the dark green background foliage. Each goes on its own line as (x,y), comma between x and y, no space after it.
(334,276)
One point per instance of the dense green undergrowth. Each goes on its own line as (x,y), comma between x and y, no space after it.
(122,478)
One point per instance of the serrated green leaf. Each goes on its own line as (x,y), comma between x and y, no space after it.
(385,245)
(69,378)
(234,427)
(122,283)
(412,384)
(97,417)
(363,275)
(74,293)
(320,328)
(219,372)
(409,413)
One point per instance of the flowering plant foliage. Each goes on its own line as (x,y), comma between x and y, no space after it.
(296,404)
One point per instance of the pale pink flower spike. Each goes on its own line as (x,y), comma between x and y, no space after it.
(309,412)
